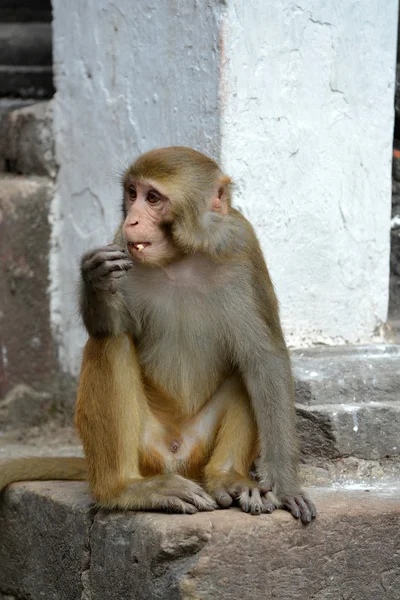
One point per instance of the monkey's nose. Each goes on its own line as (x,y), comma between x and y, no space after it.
(132,223)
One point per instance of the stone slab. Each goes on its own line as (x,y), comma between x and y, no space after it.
(26,81)
(25,44)
(347,374)
(25,10)
(53,546)
(370,430)
(26,140)
(29,352)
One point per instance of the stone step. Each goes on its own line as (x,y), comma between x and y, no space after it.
(26,138)
(348,400)
(25,10)
(349,374)
(54,545)
(370,430)
(25,44)
(29,368)
(26,81)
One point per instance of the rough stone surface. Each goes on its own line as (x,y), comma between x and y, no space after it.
(26,140)
(369,431)
(44,536)
(350,552)
(347,374)
(23,406)
(28,351)
(26,81)
(348,400)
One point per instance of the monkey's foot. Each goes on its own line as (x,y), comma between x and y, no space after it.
(299,504)
(169,493)
(233,488)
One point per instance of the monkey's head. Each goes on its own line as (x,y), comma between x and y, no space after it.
(175,202)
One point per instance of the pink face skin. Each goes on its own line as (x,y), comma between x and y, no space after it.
(146,209)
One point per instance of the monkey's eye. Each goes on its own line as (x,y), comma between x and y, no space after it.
(153,198)
(132,193)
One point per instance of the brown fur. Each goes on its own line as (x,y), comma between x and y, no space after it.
(186,352)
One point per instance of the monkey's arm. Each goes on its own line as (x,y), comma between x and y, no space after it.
(264,362)
(102,304)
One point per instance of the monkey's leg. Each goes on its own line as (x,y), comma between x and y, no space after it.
(227,472)
(111,413)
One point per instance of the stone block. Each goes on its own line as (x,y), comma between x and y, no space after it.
(26,81)
(25,10)
(370,431)
(351,551)
(23,406)
(29,355)
(44,536)
(347,374)
(26,140)
(25,44)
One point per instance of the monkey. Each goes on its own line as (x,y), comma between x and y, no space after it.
(185,380)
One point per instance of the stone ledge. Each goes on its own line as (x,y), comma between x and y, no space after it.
(53,545)
(26,140)
(354,374)
(368,430)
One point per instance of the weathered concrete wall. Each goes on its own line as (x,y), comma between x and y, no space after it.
(297,101)
(129,76)
(307,130)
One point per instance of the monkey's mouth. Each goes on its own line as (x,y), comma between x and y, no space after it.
(138,246)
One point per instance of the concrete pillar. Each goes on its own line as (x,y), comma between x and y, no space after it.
(295,100)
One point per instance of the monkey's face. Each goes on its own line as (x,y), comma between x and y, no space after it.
(146,211)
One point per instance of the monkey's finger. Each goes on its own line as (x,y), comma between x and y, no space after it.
(113,286)
(117,274)
(223,499)
(108,266)
(104,249)
(103,257)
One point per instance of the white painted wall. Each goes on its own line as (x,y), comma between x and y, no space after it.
(303,123)
(307,131)
(129,76)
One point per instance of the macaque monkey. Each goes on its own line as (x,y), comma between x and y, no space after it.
(185,379)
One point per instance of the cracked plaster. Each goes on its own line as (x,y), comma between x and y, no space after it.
(295,99)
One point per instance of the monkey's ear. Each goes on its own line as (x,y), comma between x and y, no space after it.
(221,201)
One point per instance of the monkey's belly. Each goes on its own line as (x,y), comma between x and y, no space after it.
(181,447)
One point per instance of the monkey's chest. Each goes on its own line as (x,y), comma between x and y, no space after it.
(182,355)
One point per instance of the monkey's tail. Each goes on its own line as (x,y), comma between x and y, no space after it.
(42,469)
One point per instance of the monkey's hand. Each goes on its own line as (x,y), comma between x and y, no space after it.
(102,267)
(298,504)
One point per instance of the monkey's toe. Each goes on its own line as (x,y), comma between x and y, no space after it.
(222,498)
(301,507)
(250,501)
